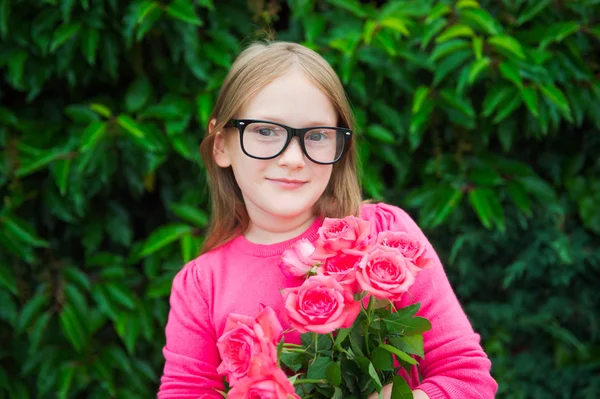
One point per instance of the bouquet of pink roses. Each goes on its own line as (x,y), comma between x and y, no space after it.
(354,338)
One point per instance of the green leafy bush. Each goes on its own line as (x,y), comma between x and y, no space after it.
(480,118)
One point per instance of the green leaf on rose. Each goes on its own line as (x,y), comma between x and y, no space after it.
(318,369)
(399,354)
(382,359)
(334,374)
(400,389)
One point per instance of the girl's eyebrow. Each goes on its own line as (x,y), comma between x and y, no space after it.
(310,123)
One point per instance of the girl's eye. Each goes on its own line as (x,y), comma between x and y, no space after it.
(266,132)
(317,136)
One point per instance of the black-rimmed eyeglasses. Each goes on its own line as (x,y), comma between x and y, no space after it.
(261,139)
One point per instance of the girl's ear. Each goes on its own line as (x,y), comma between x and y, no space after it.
(220,150)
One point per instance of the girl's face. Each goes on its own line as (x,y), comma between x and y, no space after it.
(285,188)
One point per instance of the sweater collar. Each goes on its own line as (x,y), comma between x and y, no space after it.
(241,244)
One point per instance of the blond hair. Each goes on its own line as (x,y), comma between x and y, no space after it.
(254,68)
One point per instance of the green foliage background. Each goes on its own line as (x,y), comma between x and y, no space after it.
(480,118)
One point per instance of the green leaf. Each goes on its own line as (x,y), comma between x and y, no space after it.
(458,102)
(400,389)
(189,249)
(318,369)
(538,187)
(101,109)
(90,38)
(477,67)
(375,377)
(350,5)
(507,109)
(137,94)
(450,64)
(121,294)
(77,276)
(431,30)
(446,205)
(162,237)
(73,328)
(533,8)
(399,354)
(455,31)
(64,33)
(487,207)
(529,94)
(412,345)
(191,214)
(61,174)
(334,374)
(382,359)
(443,49)
(396,24)
(81,113)
(341,335)
(480,19)
(38,331)
(128,328)
(146,9)
(293,360)
(477,44)
(184,10)
(7,278)
(65,379)
(560,31)
(380,133)
(205,104)
(131,126)
(438,11)
(419,122)
(4,17)
(39,163)
(92,134)
(495,97)
(420,95)
(508,44)
(556,96)
(22,231)
(518,194)
(337,393)
(510,71)
(467,4)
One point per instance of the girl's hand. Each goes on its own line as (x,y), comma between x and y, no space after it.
(386,393)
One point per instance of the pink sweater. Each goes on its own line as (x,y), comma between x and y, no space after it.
(239,276)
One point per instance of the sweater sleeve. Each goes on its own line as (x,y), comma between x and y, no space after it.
(455,365)
(191,354)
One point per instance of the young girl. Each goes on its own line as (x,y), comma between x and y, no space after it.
(280,157)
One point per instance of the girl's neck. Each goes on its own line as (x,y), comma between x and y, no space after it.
(266,232)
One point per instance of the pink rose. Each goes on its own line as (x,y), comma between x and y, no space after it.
(321,304)
(343,268)
(350,235)
(265,381)
(296,261)
(245,337)
(385,274)
(409,246)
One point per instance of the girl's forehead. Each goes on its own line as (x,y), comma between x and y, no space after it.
(290,97)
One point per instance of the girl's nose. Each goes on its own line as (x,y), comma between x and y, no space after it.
(292,157)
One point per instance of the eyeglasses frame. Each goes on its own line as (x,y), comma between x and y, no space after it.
(241,124)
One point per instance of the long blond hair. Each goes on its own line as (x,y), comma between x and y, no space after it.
(253,69)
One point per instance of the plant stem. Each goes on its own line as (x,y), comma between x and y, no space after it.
(286,345)
(309,381)
(369,312)
(293,350)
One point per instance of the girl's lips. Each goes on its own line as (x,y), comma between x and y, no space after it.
(288,183)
